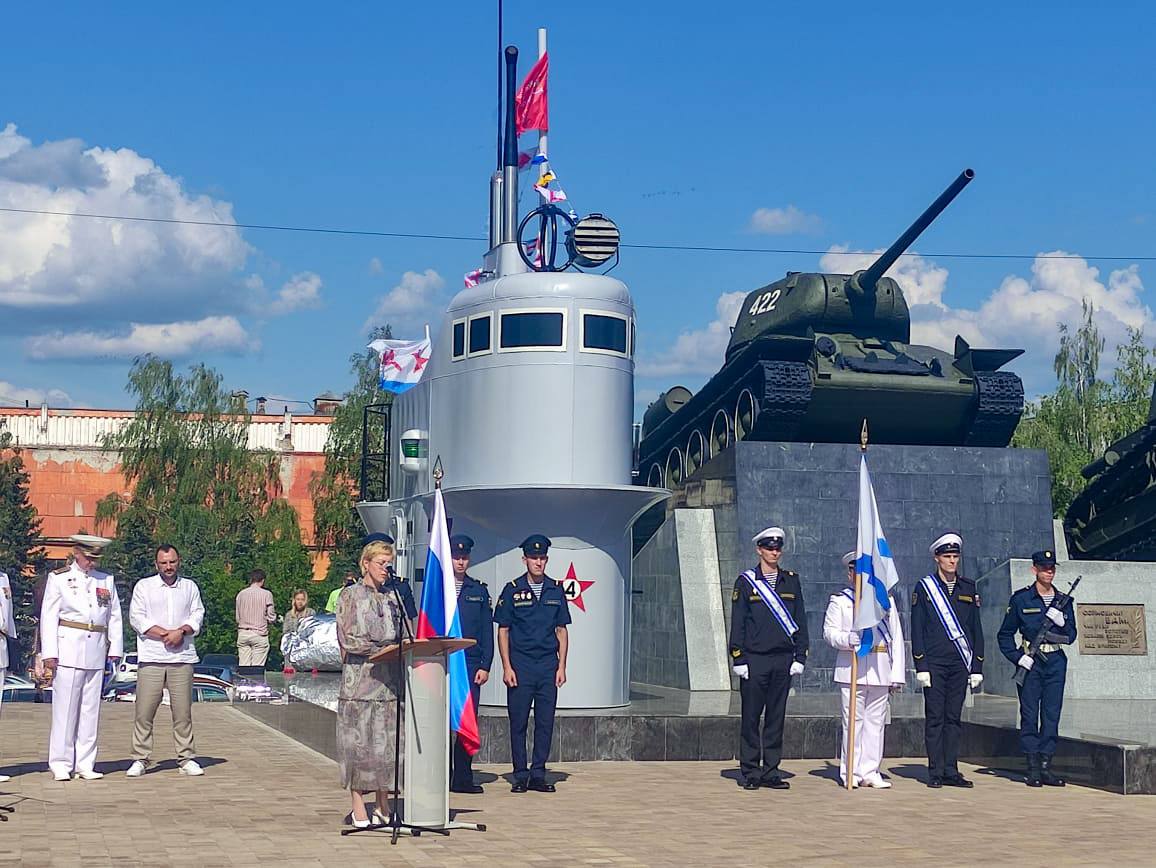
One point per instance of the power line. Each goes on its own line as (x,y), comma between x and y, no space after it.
(684,248)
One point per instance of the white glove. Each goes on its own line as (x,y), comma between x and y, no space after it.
(854,640)
(923,678)
(796,668)
(742,671)
(975,681)
(1055,616)
(1026,662)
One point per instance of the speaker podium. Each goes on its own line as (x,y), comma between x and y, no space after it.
(427,724)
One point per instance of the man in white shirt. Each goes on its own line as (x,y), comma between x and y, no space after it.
(80,629)
(166,613)
(7,631)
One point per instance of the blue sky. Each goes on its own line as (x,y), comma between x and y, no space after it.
(825,127)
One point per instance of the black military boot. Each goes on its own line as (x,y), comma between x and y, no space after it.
(1033,777)
(1046,775)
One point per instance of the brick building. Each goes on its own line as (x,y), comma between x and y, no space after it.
(70,471)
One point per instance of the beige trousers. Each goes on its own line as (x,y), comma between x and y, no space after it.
(252,648)
(151,681)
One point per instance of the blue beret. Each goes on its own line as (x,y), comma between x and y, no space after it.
(535,544)
(377,537)
(460,544)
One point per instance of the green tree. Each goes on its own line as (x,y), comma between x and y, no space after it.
(337,527)
(20,556)
(197,485)
(1077,421)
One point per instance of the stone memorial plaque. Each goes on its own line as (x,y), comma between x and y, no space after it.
(1111,628)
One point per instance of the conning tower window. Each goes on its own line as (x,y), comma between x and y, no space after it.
(459,340)
(532,330)
(480,332)
(605,333)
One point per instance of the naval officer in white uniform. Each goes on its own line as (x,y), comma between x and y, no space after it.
(879,672)
(80,627)
(7,631)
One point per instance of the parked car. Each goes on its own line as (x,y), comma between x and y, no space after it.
(224,673)
(22,690)
(205,689)
(126,671)
(229,660)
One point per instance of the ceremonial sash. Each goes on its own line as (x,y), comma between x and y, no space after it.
(947,618)
(774,603)
(884,630)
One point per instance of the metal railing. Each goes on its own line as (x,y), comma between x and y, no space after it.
(375,422)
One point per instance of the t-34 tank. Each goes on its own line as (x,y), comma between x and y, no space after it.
(1114,518)
(812,355)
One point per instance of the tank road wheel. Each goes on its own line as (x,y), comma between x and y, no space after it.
(654,479)
(674,469)
(695,452)
(745,412)
(1000,397)
(786,396)
(720,433)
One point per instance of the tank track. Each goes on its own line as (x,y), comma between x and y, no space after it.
(786,393)
(1000,399)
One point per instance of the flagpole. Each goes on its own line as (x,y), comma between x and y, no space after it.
(849,777)
(542,134)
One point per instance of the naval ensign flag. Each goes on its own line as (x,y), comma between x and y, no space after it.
(401,362)
(873,563)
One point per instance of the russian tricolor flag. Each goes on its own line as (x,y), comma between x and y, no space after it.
(439,617)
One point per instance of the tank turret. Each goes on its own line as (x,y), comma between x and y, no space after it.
(813,354)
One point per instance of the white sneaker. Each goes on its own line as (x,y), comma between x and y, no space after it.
(89,776)
(61,776)
(877,782)
(136,769)
(4,779)
(191,768)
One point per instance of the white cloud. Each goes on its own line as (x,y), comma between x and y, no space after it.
(1022,311)
(168,340)
(784,221)
(299,292)
(14,396)
(413,302)
(699,351)
(92,269)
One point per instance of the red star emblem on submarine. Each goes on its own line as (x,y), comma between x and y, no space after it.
(574,587)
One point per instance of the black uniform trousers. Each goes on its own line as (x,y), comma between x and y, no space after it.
(942,706)
(536,688)
(1041,700)
(764,694)
(461,763)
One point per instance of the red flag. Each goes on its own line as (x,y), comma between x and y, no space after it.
(530,101)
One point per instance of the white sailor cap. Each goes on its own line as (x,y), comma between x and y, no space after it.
(949,543)
(768,534)
(91,545)
(849,558)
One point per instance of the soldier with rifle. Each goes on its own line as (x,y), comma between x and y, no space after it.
(1045,621)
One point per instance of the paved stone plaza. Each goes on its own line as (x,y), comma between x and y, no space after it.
(267,799)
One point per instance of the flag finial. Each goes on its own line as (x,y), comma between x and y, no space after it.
(863,436)
(438,473)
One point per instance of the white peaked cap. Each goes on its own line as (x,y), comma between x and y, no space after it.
(849,558)
(769,532)
(946,539)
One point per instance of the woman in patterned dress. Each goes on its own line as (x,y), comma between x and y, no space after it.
(368,620)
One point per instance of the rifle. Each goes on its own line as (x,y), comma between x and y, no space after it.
(1044,633)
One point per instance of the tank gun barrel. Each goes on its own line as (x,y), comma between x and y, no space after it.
(866,280)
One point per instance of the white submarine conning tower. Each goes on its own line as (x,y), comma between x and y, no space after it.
(528,402)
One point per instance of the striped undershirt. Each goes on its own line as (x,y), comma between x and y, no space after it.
(950,586)
(458,585)
(537,589)
(772,579)
(1047,598)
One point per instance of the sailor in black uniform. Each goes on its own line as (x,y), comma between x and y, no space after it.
(477,620)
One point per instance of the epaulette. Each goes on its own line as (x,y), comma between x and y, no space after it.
(513,582)
(60,571)
(793,575)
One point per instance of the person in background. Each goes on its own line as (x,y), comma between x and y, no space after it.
(166,612)
(331,602)
(7,631)
(298,611)
(255,613)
